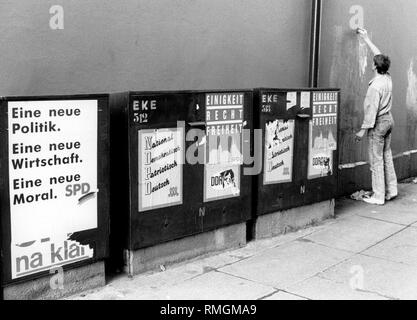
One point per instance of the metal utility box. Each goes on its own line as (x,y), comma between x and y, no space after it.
(300,129)
(54,187)
(176,165)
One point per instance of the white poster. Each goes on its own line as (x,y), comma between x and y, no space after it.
(161,158)
(279,151)
(291,100)
(323,134)
(224,120)
(305,100)
(53,182)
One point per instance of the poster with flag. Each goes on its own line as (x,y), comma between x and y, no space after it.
(224,125)
(323,134)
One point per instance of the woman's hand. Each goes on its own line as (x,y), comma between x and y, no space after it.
(363,33)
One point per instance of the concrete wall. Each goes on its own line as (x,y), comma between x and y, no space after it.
(346,63)
(109,45)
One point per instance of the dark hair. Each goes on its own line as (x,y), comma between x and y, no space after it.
(382,63)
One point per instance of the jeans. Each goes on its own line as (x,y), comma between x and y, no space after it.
(384,179)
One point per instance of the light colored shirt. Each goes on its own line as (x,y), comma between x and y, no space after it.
(378,100)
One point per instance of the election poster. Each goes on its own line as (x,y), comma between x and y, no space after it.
(52,148)
(161,158)
(279,151)
(323,134)
(223,152)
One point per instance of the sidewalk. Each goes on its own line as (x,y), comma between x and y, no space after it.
(367,252)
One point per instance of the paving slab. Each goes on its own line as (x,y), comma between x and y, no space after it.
(212,286)
(105,293)
(212,262)
(354,233)
(405,217)
(317,288)
(281,295)
(285,265)
(391,280)
(145,283)
(401,210)
(401,247)
(254,248)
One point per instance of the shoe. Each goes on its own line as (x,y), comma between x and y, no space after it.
(372,200)
(390,197)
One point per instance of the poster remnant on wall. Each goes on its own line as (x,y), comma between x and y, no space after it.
(52,182)
(323,134)
(161,158)
(223,152)
(279,151)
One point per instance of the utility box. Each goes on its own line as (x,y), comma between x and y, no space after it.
(54,194)
(178,188)
(300,159)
